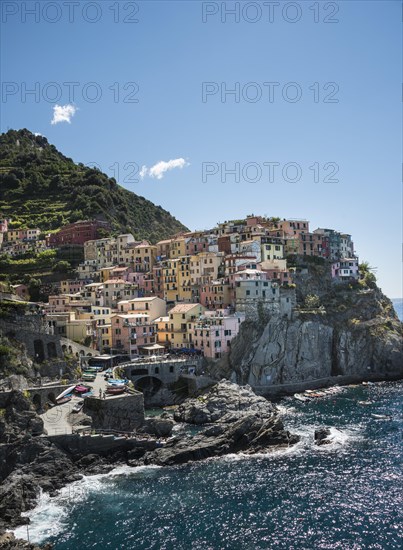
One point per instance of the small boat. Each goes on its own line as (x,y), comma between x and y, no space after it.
(63,400)
(381,416)
(300,397)
(88,376)
(116,391)
(65,392)
(77,407)
(365,402)
(82,389)
(117,382)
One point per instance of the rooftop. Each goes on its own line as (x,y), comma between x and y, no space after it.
(183,308)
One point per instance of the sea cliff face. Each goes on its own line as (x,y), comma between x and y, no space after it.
(353,333)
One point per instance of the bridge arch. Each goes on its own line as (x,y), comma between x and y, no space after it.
(52,397)
(39,351)
(148,385)
(52,351)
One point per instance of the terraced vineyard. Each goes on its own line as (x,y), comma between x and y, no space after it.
(40,187)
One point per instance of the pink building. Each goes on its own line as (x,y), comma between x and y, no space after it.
(281,275)
(213,332)
(215,295)
(294,227)
(196,244)
(131,332)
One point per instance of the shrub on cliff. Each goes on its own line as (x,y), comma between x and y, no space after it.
(312,301)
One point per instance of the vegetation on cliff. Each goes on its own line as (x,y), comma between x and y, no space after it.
(40,187)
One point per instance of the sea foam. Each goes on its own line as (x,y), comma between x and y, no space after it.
(49,517)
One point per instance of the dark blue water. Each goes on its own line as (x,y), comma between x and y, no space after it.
(348,495)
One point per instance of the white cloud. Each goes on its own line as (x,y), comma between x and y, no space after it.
(37,134)
(63,113)
(159,169)
(143,172)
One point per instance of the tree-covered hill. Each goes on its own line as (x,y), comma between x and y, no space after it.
(40,187)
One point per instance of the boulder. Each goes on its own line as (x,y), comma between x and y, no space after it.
(225,401)
(322,436)
(160,426)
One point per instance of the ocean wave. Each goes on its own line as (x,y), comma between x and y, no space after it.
(49,517)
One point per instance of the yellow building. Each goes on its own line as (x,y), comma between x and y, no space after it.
(180,321)
(105,273)
(184,280)
(163,249)
(145,256)
(12,235)
(163,330)
(102,336)
(272,249)
(170,280)
(177,247)
(205,267)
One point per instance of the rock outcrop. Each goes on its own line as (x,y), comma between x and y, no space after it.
(9,542)
(160,426)
(355,333)
(322,436)
(238,421)
(27,462)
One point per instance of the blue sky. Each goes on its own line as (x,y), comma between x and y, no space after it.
(170,52)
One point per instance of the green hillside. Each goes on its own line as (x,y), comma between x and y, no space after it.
(40,187)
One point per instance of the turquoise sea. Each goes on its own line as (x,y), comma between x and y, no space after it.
(347,495)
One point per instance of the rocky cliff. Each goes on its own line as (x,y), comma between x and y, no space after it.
(351,332)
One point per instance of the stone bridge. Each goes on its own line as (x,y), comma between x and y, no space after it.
(73,348)
(163,382)
(29,330)
(41,344)
(42,394)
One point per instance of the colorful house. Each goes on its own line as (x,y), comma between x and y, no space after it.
(180,319)
(213,331)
